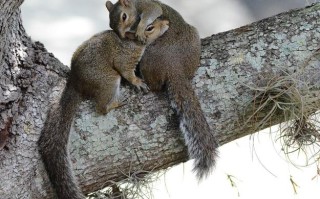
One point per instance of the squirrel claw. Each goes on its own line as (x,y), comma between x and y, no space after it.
(143,87)
(123,102)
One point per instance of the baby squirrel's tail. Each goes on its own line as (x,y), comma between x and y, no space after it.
(201,142)
(53,145)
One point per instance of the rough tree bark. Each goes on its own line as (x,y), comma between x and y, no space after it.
(143,135)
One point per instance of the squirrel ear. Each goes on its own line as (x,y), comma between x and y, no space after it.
(125,2)
(109,5)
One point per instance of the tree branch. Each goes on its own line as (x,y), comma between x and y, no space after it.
(238,69)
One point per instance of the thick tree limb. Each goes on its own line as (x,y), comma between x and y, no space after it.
(143,135)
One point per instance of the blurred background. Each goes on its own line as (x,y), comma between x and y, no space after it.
(251,167)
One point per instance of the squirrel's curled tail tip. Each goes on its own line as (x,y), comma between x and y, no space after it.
(202,143)
(204,165)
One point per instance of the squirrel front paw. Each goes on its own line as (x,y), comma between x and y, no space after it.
(141,36)
(141,86)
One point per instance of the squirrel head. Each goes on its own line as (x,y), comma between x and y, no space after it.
(123,15)
(152,32)
(156,29)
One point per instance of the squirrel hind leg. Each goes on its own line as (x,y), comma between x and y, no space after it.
(107,97)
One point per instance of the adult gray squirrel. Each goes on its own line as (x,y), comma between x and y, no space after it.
(170,63)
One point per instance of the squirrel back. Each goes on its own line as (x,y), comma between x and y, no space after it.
(98,64)
(170,63)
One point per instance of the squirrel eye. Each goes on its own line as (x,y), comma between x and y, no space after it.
(150,28)
(124,16)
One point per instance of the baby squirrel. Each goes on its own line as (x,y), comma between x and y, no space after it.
(96,69)
(170,63)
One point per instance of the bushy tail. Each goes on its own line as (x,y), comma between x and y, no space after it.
(53,145)
(201,142)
